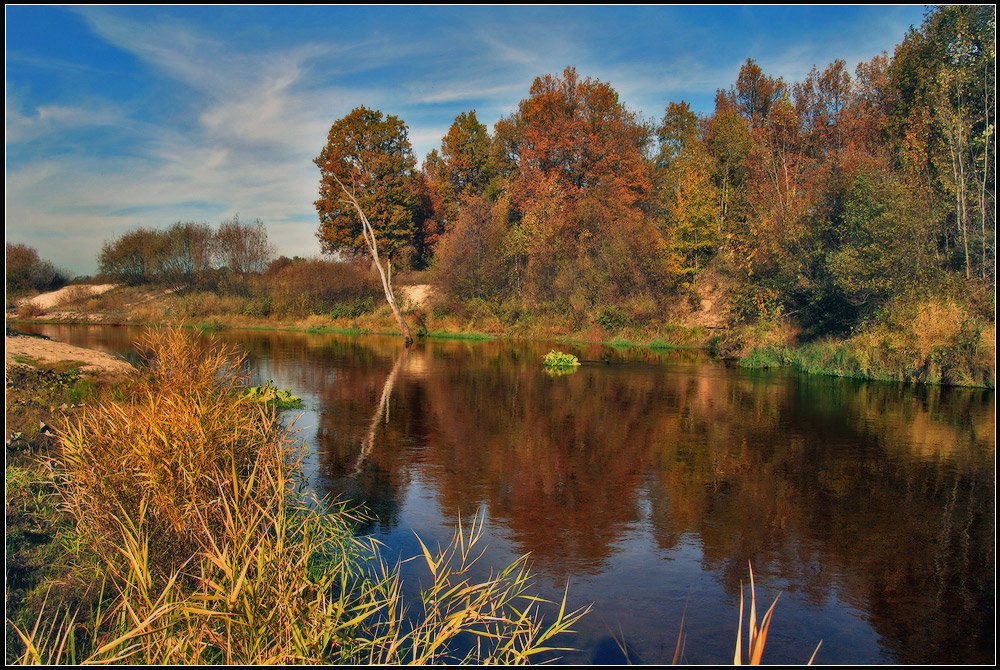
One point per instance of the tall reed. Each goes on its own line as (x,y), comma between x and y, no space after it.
(187,494)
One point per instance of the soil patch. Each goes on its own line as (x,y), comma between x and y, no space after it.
(417,294)
(51,351)
(67,293)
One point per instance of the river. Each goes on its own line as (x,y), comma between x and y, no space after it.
(647,482)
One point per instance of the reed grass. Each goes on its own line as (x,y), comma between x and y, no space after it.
(188,495)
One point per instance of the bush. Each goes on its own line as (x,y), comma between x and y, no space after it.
(613,318)
(159,460)
(314,286)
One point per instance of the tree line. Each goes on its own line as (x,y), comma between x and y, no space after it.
(27,272)
(824,199)
(186,252)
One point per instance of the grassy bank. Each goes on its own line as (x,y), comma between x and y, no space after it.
(175,501)
(44,557)
(928,341)
(936,340)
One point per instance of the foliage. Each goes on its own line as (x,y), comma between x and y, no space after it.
(470,258)
(211,557)
(369,154)
(26,272)
(559,359)
(463,169)
(316,286)
(185,253)
(935,341)
(580,185)
(689,197)
(243,248)
(269,394)
(41,542)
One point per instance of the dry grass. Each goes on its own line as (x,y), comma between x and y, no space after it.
(187,495)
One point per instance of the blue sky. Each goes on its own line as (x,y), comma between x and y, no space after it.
(118,117)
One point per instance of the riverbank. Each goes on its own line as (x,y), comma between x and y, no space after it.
(932,341)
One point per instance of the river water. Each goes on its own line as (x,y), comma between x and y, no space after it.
(646,483)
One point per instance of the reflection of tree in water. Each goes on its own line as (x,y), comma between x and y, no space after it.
(878,493)
(557,461)
(893,525)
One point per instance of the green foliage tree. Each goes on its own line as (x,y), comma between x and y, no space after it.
(690,199)
(728,140)
(370,154)
(465,154)
(883,247)
(945,72)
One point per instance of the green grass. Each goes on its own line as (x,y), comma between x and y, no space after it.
(469,335)
(621,343)
(766,357)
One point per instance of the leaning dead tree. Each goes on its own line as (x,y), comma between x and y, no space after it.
(386,272)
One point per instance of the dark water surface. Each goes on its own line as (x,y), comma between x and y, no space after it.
(650,481)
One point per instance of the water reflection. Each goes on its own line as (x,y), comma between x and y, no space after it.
(862,499)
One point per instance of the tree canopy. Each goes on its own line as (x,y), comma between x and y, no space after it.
(370,154)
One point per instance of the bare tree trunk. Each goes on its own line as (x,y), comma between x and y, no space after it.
(384,273)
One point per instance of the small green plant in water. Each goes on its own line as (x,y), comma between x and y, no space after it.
(560,361)
(269,394)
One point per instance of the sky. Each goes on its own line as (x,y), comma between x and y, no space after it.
(141,116)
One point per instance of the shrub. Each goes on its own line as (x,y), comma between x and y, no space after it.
(159,459)
(28,309)
(613,318)
(301,287)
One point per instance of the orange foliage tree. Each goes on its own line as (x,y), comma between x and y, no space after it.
(582,185)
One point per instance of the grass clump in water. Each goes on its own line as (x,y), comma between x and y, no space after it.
(186,491)
(269,394)
(560,360)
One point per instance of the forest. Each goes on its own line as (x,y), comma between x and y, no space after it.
(825,201)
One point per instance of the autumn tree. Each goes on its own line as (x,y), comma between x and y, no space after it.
(369,154)
(132,257)
(369,196)
(582,186)
(192,249)
(689,197)
(819,103)
(472,254)
(728,140)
